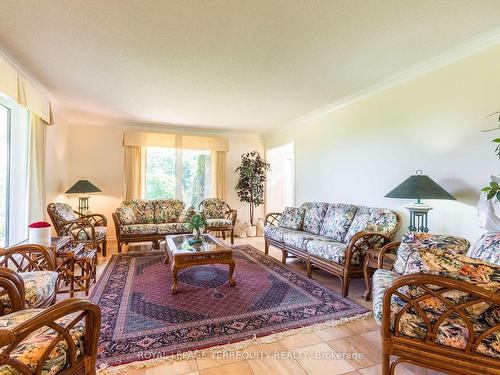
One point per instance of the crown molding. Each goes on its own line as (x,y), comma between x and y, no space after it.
(463,51)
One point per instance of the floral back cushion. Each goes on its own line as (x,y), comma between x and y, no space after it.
(126,215)
(458,267)
(167,210)
(487,248)
(62,212)
(338,219)
(372,219)
(214,208)
(412,241)
(314,215)
(187,214)
(143,210)
(292,218)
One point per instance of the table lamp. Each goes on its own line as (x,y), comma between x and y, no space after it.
(419,186)
(83,187)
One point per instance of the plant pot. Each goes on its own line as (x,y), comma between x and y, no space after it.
(252,231)
(260,227)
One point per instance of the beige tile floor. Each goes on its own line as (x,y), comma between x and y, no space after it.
(302,353)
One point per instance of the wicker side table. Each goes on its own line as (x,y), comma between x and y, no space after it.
(370,264)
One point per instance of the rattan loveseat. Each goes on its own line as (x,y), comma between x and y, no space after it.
(142,220)
(330,236)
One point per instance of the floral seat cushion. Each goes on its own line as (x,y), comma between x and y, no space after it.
(412,241)
(332,250)
(453,331)
(213,208)
(275,233)
(381,280)
(218,222)
(85,234)
(33,347)
(173,228)
(300,239)
(167,210)
(38,286)
(145,229)
(292,218)
(487,248)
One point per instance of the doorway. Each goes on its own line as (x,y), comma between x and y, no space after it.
(280,185)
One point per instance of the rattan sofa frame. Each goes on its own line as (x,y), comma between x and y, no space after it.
(344,272)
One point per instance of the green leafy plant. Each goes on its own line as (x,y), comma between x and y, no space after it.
(252,176)
(493,190)
(197,221)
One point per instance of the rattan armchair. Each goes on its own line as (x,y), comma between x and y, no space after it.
(60,339)
(219,216)
(32,269)
(427,351)
(87,229)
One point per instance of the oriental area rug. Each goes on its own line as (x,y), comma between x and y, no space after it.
(142,319)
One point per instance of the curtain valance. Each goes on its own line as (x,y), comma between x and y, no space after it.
(191,142)
(17,86)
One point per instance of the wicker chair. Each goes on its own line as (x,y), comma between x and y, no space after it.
(87,229)
(60,339)
(31,268)
(445,321)
(219,216)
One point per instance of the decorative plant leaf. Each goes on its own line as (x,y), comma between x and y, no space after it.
(498,195)
(494,185)
(486,189)
(252,175)
(491,194)
(496,140)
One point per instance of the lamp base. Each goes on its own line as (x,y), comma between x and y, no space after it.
(83,204)
(418,217)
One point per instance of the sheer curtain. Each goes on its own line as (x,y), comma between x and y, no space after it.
(133,172)
(36,168)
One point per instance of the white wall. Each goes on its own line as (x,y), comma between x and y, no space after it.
(360,152)
(95,153)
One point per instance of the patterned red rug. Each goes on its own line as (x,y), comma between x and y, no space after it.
(141,319)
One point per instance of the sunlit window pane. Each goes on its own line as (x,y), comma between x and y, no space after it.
(4,158)
(160,173)
(196,176)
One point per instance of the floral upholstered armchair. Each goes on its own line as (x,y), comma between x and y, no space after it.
(60,339)
(87,229)
(219,216)
(439,307)
(31,268)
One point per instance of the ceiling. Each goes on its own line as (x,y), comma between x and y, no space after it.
(244,65)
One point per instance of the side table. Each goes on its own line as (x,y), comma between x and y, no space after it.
(370,264)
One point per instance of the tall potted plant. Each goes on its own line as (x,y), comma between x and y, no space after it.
(252,176)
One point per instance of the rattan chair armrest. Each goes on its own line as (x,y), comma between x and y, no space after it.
(232,215)
(361,240)
(13,285)
(384,253)
(96,219)
(83,309)
(272,217)
(46,259)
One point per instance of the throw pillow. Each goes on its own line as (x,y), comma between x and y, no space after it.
(292,218)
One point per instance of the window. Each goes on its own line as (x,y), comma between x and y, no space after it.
(13,172)
(4,173)
(176,173)
(280,183)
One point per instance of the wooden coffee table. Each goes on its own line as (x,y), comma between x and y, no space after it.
(183,255)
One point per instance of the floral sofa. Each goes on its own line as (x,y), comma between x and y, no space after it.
(142,220)
(440,304)
(330,236)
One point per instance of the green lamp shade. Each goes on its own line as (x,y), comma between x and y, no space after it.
(419,186)
(83,186)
